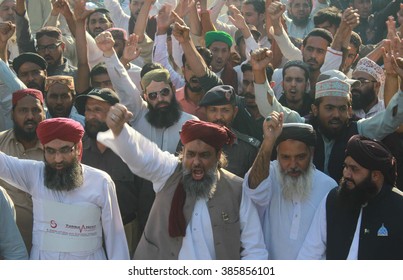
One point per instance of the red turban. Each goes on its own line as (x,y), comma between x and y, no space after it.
(210,133)
(60,128)
(19,94)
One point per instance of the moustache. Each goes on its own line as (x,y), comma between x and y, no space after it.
(219,122)
(34,85)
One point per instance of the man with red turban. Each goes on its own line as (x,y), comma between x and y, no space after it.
(362,218)
(199,211)
(75,206)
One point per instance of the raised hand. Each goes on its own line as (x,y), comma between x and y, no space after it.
(105,42)
(180,30)
(80,10)
(261,58)
(351,17)
(273,125)
(117,116)
(164,19)
(7,30)
(237,18)
(276,10)
(131,50)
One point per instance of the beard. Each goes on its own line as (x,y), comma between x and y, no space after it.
(204,188)
(331,133)
(92,127)
(37,86)
(21,134)
(360,194)
(66,179)
(361,100)
(165,116)
(301,22)
(296,187)
(193,89)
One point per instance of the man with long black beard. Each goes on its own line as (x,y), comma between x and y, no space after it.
(157,116)
(365,100)
(76,213)
(286,191)
(22,142)
(361,219)
(199,210)
(96,105)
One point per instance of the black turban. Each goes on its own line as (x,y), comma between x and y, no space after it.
(372,155)
(298,131)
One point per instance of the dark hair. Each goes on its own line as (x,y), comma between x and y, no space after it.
(204,52)
(328,14)
(269,70)
(319,32)
(297,63)
(319,100)
(258,5)
(49,31)
(355,40)
(102,11)
(98,69)
(149,67)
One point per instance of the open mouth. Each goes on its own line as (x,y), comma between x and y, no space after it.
(197,174)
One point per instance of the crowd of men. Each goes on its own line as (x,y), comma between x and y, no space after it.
(236,129)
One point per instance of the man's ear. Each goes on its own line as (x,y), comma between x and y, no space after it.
(314,109)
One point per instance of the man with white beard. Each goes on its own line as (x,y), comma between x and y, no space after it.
(288,190)
(199,211)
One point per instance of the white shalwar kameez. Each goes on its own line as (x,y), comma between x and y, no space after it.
(53,212)
(285,222)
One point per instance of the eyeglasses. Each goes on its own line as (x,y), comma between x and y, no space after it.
(163,92)
(366,81)
(63,150)
(51,47)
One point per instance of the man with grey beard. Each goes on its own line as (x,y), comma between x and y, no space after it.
(199,210)
(76,213)
(288,190)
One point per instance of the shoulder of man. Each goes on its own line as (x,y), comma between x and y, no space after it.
(247,139)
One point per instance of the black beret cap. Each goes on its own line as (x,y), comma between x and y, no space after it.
(29,57)
(102,94)
(219,95)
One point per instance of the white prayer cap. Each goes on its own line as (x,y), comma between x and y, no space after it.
(332,87)
(368,66)
(339,75)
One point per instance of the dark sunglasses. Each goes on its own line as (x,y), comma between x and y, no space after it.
(163,92)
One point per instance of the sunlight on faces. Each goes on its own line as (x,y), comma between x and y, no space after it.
(97,23)
(299,12)
(251,16)
(221,114)
(101,81)
(7,11)
(52,57)
(95,117)
(26,116)
(62,168)
(59,100)
(192,82)
(356,184)
(295,170)
(200,162)
(248,89)
(367,93)
(221,55)
(294,84)
(32,75)
(333,113)
(314,52)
